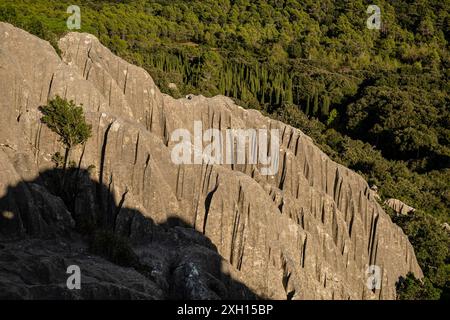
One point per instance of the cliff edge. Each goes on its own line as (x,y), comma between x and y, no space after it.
(310,231)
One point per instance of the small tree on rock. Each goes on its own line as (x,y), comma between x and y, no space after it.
(67,120)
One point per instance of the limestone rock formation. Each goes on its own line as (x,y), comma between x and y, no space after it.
(308,232)
(399,207)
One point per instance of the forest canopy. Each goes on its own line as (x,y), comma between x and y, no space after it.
(376,101)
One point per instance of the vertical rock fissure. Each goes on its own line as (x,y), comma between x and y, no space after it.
(102,165)
(208,200)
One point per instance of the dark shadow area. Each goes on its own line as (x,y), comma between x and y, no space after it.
(46,226)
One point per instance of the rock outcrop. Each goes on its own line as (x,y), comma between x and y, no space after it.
(399,206)
(308,232)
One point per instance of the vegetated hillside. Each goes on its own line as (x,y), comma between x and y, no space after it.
(376,101)
(309,230)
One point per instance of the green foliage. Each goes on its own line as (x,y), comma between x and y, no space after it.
(410,288)
(430,191)
(431,245)
(66,120)
(388,90)
(58,160)
(389,87)
(404,119)
(332,116)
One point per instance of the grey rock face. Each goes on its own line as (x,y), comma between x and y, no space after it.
(36,269)
(308,232)
(399,207)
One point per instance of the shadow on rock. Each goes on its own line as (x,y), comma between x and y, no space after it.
(46,227)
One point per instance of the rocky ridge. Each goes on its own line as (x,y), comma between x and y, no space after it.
(308,232)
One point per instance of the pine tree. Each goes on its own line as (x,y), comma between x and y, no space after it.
(67,120)
(325,106)
(316,104)
(308,101)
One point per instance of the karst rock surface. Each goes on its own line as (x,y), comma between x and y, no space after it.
(308,232)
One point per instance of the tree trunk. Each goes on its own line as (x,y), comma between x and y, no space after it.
(66,159)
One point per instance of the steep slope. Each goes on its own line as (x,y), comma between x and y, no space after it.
(308,232)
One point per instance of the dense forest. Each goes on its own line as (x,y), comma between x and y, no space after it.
(375,100)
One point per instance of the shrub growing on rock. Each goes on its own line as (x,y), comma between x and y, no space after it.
(67,120)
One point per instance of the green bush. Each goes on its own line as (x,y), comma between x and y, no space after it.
(387,91)
(410,288)
(68,122)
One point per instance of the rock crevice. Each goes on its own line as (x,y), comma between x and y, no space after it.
(308,232)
